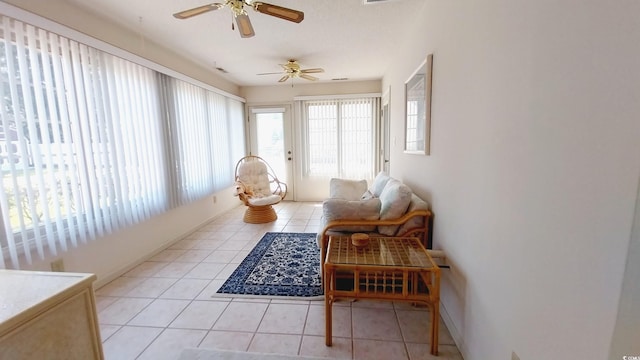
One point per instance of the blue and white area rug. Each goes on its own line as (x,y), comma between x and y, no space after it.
(280,265)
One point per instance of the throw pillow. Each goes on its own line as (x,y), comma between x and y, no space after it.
(395,199)
(367,195)
(414,222)
(347,189)
(379,183)
(340,209)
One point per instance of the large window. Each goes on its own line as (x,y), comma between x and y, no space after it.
(90,142)
(340,135)
(205,144)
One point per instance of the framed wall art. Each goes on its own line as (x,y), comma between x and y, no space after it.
(417,92)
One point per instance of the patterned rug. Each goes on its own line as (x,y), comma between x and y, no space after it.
(281,264)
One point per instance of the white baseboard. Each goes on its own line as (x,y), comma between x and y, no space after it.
(104,280)
(453,330)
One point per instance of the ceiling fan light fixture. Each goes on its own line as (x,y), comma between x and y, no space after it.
(291,66)
(237,6)
(292,70)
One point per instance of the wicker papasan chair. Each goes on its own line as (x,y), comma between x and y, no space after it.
(259,189)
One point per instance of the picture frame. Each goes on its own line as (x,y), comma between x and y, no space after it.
(417,91)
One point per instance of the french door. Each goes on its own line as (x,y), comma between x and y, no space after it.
(270,137)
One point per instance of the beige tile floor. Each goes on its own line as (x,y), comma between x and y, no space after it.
(169,303)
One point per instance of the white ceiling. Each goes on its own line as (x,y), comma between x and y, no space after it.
(346,38)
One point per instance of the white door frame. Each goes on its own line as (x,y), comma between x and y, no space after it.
(286,110)
(385,143)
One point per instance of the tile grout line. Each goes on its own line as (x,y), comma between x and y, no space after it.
(304,326)
(253,336)
(240,232)
(402,334)
(353,343)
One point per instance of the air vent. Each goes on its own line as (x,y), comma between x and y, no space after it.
(369,2)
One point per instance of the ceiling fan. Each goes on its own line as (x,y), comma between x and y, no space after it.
(240,15)
(292,70)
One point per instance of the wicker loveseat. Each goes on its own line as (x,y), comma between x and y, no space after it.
(386,208)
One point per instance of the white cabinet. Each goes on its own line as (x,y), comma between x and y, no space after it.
(48,315)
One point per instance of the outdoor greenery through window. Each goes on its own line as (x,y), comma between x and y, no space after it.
(91,143)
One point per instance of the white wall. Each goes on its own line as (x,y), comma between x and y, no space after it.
(533,168)
(109,256)
(627,330)
(284,93)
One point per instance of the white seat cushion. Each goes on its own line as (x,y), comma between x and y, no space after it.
(265,200)
(254,174)
(340,209)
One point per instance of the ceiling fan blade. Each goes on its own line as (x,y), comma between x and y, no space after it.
(308,77)
(244,26)
(284,78)
(197,11)
(279,11)
(312,71)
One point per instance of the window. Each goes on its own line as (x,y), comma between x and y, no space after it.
(86,146)
(204,143)
(340,135)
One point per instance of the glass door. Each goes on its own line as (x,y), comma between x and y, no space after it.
(270,138)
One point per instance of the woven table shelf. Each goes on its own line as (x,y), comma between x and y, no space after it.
(387,268)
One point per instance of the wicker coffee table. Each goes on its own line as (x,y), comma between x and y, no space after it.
(387,268)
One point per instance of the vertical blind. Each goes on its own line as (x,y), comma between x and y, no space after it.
(340,135)
(226,139)
(88,144)
(204,145)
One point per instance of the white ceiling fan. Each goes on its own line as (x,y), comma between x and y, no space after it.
(293,70)
(242,19)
